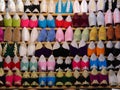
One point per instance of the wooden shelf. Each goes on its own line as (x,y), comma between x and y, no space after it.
(65,72)
(63,87)
(37,14)
(37,58)
(45,14)
(38,28)
(54,0)
(4,28)
(53,42)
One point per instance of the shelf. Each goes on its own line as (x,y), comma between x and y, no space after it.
(37,14)
(38,28)
(37,58)
(54,0)
(45,14)
(53,42)
(64,72)
(63,87)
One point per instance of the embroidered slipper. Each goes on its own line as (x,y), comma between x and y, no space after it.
(2,77)
(59,66)
(26,79)
(85,78)
(17,78)
(77,78)
(42,21)
(73,48)
(24,20)
(68,79)
(102,63)
(85,63)
(9,79)
(91,48)
(42,79)
(16,20)
(51,79)
(33,64)
(82,48)
(34,79)
(11,6)
(33,21)
(68,8)
(7,20)
(42,65)
(60,79)
(109,48)
(67,22)
(76,63)
(19,6)
(27,6)
(51,63)
(113,81)
(23,49)
(24,64)
(59,21)
(103,77)
(7,63)
(43,6)
(50,21)
(68,64)
(35,6)
(16,63)
(94,77)
(51,9)
(93,61)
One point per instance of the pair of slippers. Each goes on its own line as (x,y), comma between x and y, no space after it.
(63,65)
(13,79)
(114,79)
(66,7)
(10,50)
(112,62)
(80,21)
(30,79)
(26,22)
(81,79)
(99,78)
(44,65)
(26,65)
(9,21)
(47,79)
(99,49)
(10,64)
(78,64)
(12,6)
(32,7)
(98,63)
(46,22)
(45,35)
(112,48)
(60,22)
(64,79)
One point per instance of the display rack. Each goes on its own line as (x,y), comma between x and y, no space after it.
(81,28)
